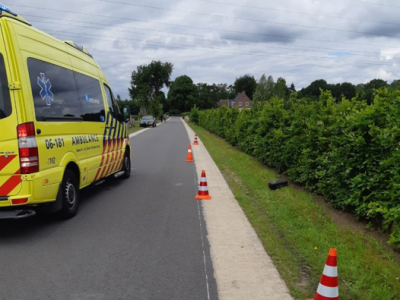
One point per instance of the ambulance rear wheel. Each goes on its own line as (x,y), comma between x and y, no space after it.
(70,195)
(126,166)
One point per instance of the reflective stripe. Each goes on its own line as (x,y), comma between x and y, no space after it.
(330,271)
(105,166)
(98,170)
(203,188)
(330,292)
(5,161)
(10,184)
(189,151)
(329,281)
(203,179)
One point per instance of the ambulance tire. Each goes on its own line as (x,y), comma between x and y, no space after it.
(126,166)
(70,195)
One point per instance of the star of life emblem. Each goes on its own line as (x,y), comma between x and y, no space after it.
(45,92)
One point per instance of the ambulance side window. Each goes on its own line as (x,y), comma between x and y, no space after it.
(112,104)
(109,99)
(54,91)
(90,97)
(5,102)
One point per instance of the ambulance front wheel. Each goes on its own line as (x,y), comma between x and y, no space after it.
(126,166)
(70,195)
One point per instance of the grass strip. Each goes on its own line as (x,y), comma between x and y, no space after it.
(297,232)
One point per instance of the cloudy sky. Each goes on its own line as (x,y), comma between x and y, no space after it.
(215,41)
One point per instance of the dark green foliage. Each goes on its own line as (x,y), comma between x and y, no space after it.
(133,105)
(395,85)
(246,83)
(347,151)
(314,89)
(182,94)
(147,82)
(174,112)
(194,115)
(344,89)
(209,95)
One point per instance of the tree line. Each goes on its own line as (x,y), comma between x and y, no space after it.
(153,92)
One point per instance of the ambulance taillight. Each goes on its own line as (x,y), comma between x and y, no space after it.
(28,149)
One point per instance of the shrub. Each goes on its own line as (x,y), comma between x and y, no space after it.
(194,115)
(347,151)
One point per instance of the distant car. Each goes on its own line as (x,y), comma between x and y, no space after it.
(148,121)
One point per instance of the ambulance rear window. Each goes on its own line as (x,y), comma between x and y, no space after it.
(54,91)
(5,102)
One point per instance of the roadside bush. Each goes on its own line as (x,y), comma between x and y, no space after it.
(185,114)
(194,115)
(347,151)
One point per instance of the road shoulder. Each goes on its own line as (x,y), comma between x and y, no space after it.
(242,268)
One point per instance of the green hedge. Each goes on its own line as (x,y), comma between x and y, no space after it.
(348,152)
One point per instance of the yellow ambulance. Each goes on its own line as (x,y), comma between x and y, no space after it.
(60,127)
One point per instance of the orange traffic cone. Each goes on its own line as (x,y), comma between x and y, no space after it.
(189,157)
(203,188)
(328,288)
(195,143)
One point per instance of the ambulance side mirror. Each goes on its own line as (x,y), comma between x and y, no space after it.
(126,113)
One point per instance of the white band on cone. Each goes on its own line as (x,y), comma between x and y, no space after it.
(203,189)
(329,292)
(330,271)
(203,179)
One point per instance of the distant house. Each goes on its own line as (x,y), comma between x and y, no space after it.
(241,101)
(227,102)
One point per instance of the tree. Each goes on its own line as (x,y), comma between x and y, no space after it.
(395,85)
(209,95)
(340,90)
(147,82)
(182,94)
(270,87)
(292,88)
(348,90)
(371,87)
(133,105)
(314,89)
(261,93)
(246,83)
(280,89)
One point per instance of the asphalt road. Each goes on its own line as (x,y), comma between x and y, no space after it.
(141,238)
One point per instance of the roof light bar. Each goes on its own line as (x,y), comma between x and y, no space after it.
(7,10)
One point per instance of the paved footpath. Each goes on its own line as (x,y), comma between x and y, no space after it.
(242,268)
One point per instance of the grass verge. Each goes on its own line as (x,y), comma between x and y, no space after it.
(136,128)
(297,232)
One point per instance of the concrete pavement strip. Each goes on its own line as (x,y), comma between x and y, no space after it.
(243,270)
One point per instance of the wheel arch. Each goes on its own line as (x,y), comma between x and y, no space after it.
(72,166)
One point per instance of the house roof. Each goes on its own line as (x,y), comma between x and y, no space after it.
(242,97)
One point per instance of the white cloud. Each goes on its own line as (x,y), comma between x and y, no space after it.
(383,74)
(218,49)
